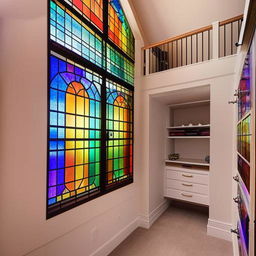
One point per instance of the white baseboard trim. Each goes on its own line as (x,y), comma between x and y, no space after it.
(235,245)
(142,221)
(219,229)
(114,241)
(147,221)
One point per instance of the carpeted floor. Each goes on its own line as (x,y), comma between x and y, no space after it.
(180,231)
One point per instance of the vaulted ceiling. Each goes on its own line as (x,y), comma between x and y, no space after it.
(161,19)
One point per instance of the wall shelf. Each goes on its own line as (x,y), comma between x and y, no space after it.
(189,161)
(189,127)
(188,137)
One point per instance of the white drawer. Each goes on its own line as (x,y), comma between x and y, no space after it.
(187,186)
(187,196)
(188,176)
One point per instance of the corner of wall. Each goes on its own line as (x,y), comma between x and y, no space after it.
(219,229)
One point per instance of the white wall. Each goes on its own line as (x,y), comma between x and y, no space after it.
(219,74)
(157,139)
(166,18)
(94,228)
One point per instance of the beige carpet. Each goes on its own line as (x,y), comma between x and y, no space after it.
(180,231)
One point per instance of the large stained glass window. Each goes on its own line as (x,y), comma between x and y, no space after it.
(90,106)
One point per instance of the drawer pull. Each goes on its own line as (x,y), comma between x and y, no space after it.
(186,195)
(187,176)
(187,185)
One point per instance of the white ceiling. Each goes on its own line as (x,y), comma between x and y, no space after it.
(161,19)
(183,96)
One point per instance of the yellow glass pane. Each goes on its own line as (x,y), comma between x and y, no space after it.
(79,105)
(79,144)
(70,144)
(70,103)
(87,102)
(79,156)
(70,120)
(79,133)
(70,133)
(79,172)
(86,122)
(65,196)
(86,156)
(80,121)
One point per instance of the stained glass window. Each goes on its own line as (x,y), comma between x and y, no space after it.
(119,30)
(69,31)
(74,131)
(90,9)
(120,132)
(90,102)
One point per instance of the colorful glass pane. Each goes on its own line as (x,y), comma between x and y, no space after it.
(120,133)
(74,132)
(119,30)
(244,137)
(119,66)
(244,97)
(90,9)
(69,31)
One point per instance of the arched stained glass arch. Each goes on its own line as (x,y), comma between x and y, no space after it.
(119,30)
(75,133)
(120,133)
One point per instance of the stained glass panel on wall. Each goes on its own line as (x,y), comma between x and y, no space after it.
(244,137)
(244,98)
(119,66)
(90,9)
(120,133)
(90,117)
(74,132)
(69,31)
(119,30)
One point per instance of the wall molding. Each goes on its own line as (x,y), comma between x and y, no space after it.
(141,221)
(148,220)
(115,240)
(219,229)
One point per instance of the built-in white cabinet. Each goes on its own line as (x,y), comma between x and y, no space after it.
(188,152)
(187,182)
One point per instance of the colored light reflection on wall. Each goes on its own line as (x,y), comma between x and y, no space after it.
(90,9)
(74,131)
(69,31)
(119,30)
(120,133)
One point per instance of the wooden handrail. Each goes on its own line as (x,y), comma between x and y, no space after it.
(224,22)
(191,33)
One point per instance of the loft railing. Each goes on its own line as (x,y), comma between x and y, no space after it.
(211,42)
